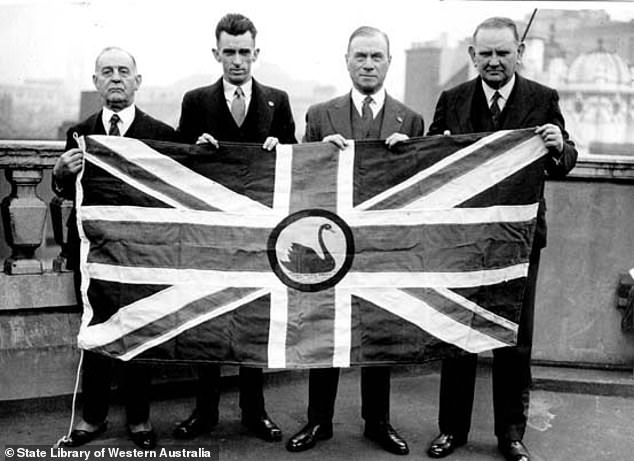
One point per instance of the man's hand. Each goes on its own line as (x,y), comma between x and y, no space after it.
(395,138)
(551,134)
(337,140)
(68,164)
(206,138)
(270,143)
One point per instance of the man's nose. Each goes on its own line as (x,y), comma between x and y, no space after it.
(495,60)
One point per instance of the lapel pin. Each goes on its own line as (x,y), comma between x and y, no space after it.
(271,103)
(399,119)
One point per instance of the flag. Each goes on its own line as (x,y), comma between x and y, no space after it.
(306,256)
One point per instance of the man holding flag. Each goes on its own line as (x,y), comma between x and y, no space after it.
(367,112)
(499,99)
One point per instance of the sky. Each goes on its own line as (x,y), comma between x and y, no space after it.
(173,39)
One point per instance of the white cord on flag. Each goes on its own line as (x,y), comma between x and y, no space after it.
(66,437)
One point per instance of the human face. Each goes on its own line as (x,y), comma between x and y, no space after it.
(368,60)
(496,54)
(236,53)
(116,79)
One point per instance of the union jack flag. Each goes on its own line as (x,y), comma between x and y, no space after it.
(306,256)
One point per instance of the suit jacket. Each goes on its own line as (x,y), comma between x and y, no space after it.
(204,110)
(143,127)
(333,117)
(530,105)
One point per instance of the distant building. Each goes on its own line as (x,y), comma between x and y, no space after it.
(583,54)
(34,109)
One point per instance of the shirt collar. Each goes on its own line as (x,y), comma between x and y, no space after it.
(230,89)
(378,99)
(126,115)
(504,91)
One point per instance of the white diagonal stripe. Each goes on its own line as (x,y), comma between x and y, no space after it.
(456,156)
(139,313)
(177,215)
(401,217)
(430,320)
(167,276)
(433,279)
(283,176)
(278,327)
(342,328)
(479,179)
(132,182)
(473,307)
(345,179)
(180,176)
(169,334)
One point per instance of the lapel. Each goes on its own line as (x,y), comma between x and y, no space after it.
(393,117)
(464,101)
(262,107)
(339,115)
(137,123)
(519,105)
(96,125)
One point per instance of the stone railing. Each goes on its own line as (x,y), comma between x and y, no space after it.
(24,217)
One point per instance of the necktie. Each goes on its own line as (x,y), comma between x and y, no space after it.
(495,109)
(366,111)
(238,106)
(114,127)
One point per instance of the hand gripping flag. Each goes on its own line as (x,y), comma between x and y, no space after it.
(306,256)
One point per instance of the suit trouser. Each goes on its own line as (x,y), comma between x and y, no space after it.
(208,392)
(375,394)
(135,388)
(97,373)
(511,376)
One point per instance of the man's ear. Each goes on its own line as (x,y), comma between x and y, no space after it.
(256,53)
(138,78)
(472,53)
(216,54)
(520,51)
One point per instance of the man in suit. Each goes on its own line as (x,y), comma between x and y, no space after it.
(366,112)
(235,108)
(116,79)
(499,99)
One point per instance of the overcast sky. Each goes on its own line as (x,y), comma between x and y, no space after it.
(172,39)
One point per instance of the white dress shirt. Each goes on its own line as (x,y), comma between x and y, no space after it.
(504,91)
(126,117)
(230,90)
(378,99)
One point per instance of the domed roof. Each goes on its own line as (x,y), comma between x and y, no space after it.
(599,67)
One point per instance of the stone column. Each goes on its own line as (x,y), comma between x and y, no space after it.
(60,212)
(23,217)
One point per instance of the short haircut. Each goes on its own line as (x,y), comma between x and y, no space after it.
(497,23)
(114,48)
(368,31)
(235,24)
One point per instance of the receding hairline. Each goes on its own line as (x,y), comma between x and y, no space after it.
(114,48)
(497,22)
(369,31)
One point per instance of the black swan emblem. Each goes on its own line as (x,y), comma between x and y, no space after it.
(305,260)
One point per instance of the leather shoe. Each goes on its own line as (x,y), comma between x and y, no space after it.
(263,427)
(79,437)
(444,445)
(513,450)
(385,435)
(306,438)
(193,426)
(143,439)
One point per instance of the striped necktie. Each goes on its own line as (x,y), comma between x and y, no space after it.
(114,125)
(495,109)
